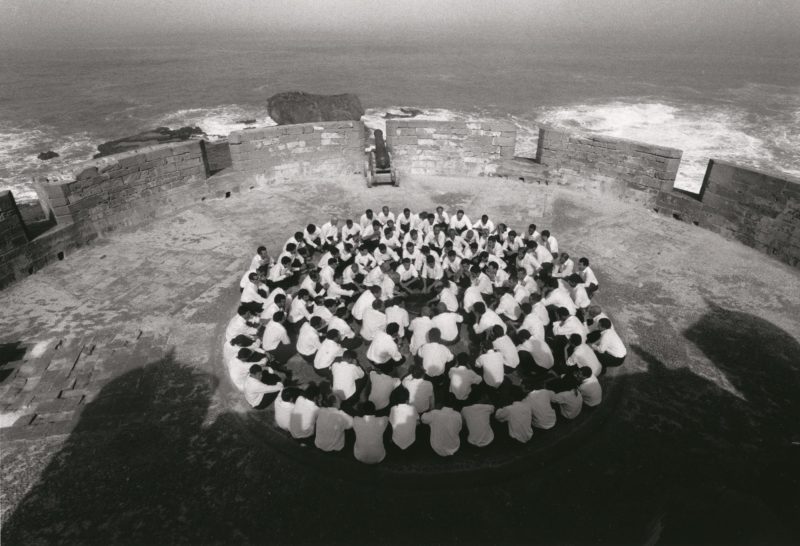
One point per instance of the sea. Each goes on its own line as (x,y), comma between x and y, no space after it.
(711,100)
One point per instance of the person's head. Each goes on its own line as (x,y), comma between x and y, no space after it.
(349,222)
(531,228)
(463,359)
(583,263)
(562,313)
(425,249)
(400,395)
(303,294)
(244,354)
(262,251)
(393,329)
(311,392)
(385,210)
(593,310)
(532,246)
(563,257)
(376,291)
(406,263)
(388,232)
(368,408)
(575,340)
(545,234)
(430,261)
(376,225)
(434,335)
(439,210)
(245,311)
(382,248)
(604,323)
(491,267)
(279,299)
(460,214)
(368,213)
(479,308)
(523,335)
(242,341)
(574,279)
(406,212)
(316,322)
(425,311)
(584,372)
(290,394)
(286,261)
(255,371)
(377,305)
(253,277)
(497,331)
(363,250)
(311,228)
(334,221)
(417,372)
(279,316)
(484,218)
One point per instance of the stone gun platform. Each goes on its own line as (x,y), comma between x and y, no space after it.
(119,423)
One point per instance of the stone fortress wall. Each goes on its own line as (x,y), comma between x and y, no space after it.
(759,209)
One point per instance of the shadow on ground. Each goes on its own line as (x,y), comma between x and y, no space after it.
(683,460)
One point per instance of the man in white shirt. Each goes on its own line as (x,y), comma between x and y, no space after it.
(276,340)
(508,307)
(261,389)
(578,293)
(472,295)
(448,324)
(311,236)
(534,354)
(564,266)
(588,276)
(374,321)
(460,222)
(484,226)
(529,261)
(385,215)
(298,310)
(558,297)
(304,413)
(369,429)
(477,417)
(408,276)
(397,314)
(590,389)
(446,295)
(440,217)
(519,417)
(503,344)
(367,218)
(462,378)
(541,403)
(346,375)
(550,242)
(406,220)
(383,352)
(331,426)
(350,231)
(308,342)
(419,328)
(583,356)
(485,319)
(404,418)
(609,348)
(365,301)
(240,324)
(254,290)
(381,386)
(329,233)
(569,402)
(420,390)
(329,350)
(435,356)
(445,426)
(541,253)
(491,362)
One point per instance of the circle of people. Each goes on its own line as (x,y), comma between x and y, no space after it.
(466,325)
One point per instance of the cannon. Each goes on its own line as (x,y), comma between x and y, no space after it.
(379,164)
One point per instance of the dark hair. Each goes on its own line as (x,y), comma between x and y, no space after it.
(255,368)
(584,261)
(368,408)
(279,316)
(523,335)
(311,228)
(545,233)
(302,293)
(497,330)
(261,248)
(604,323)
(332,334)
(244,309)
(315,321)
(434,335)
(417,372)
(282,296)
(562,312)
(462,358)
(377,305)
(392,328)
(479,306)
(400,395)
(242,341)
(575,339)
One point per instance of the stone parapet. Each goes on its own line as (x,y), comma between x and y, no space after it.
(291,152)
(450,148)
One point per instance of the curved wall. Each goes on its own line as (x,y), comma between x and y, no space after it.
(293,152)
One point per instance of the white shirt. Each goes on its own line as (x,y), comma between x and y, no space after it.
(274,335)
(521,293)
(509,307)
(387,288)
(322,312)
(540,310)
(552,244)
(329,350)
(328,232)
(533,324)
(365,220)
(472,295)
(420,393)
(238,326)
(580,297)
(572,325)
(374,321)
(591,391)
(303,418)
(335,291)
(560,298)
(492,364)
(369,438)
(407,274)
(331,424)
(363,303)
(485,284)
(350,232)
(383,349)
(344,378)
(583,355)
(337,323)
(477,418)
(283,412)
(307,340)
(611,343)
(445,426)
(435,357)
(542,254)
(403,418)
(254,390)
(381,387)
(540,351)
(383,218)
(420,327)
(374,277)
(449,299)
(250,292)
(432,273)
(239,371)
(544,416)
(507,348)
(457,223)
(488,320)
(569,402)
(461,381)
(298,310)
(447,323)
(326,276)
(588,276)
(399,316)
(530,263)
(518,416)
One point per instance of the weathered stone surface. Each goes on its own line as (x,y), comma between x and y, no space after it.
(159,135)
(44,156)
(293,107)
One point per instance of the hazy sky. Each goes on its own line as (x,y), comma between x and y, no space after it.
(47,22)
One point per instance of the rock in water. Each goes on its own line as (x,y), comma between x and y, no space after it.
(159,135)
(44,156)
(298,107)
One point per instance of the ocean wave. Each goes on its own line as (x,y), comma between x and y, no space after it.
(702,132)
(219,121)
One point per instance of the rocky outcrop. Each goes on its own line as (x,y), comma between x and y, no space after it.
(297,107)
(44,156)
(159,135)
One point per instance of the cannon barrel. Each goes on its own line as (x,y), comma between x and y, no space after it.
(381,153)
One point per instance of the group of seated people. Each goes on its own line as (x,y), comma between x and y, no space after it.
(383,323)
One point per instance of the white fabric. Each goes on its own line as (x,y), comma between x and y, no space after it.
(569,402)
(420,393)
(307,340)
(540,401)
(374,321)
(283,413)
(383,349)
(477,417)
(492,364)
(461,381)
(403,418)
(507,348)
(399,316)
(331,424)
(329,350)
(420,327)
(274,335)
(611,343)
(344,378)
(254,390)
(369,438)
(303,418)
(583,355)
(447,323)
(445,426)
(435,357)
(519,417)
(591,391)
(381,387)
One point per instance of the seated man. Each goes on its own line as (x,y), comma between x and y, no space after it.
(331,425)
(588,277)
(609,348)
(261,387)
(435,356)
(447,323)
(369,429)
(383,352)
(518,414)
(445,423)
